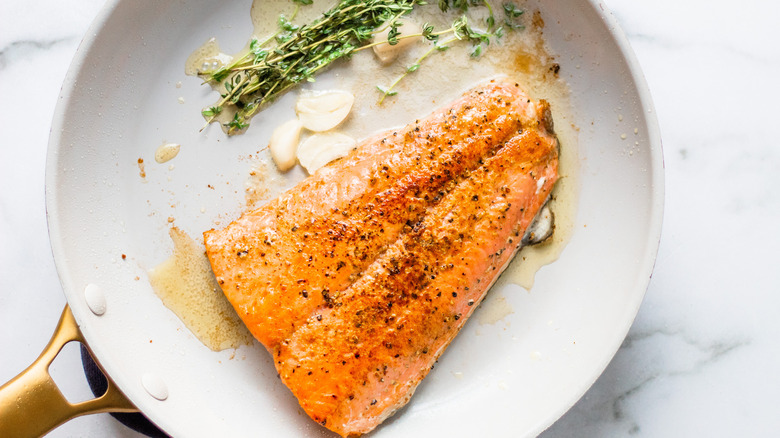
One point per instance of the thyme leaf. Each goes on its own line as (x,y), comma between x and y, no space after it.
(386,91)
(211,111)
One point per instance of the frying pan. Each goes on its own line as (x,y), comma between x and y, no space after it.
(108,226)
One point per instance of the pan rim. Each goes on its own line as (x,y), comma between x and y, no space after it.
(657,199)
(656,174)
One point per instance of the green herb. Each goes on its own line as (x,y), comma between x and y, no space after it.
(386,91)
(512,12)
(212,111)
(265,72)
(392,35)
(463,5)
(295,54)
(237,123)
(460,30)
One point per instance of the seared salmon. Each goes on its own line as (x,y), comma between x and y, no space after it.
(357,279)
(353,363)
(281,262)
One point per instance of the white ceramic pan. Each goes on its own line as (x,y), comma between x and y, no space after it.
(122,98)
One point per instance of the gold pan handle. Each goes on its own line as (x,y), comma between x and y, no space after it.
(31,404)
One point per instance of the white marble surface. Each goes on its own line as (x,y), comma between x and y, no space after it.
(703,354)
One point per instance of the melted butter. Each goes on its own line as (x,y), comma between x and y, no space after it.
(205,58)
(530,259)
(186,285)
(264,14)
(208,57)
(493,309)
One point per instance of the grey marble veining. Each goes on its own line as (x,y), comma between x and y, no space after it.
(703,354)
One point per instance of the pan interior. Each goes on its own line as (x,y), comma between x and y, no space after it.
(108,218)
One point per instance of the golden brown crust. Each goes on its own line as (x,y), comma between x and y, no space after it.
(354,363)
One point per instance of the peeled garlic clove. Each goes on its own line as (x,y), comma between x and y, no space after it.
(320,149)
(284,144)
(387,53)
(541,228)
(323,111)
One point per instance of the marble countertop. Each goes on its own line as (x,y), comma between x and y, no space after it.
(702,356)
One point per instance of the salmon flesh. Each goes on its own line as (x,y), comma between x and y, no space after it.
(358,278)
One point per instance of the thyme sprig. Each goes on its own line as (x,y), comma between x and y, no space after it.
(461,30)
(295,54)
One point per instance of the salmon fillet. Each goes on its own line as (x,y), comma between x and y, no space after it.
(353,364)
(357,279)
(281,262)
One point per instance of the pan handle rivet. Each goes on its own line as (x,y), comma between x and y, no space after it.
(96,299)
(155,386)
